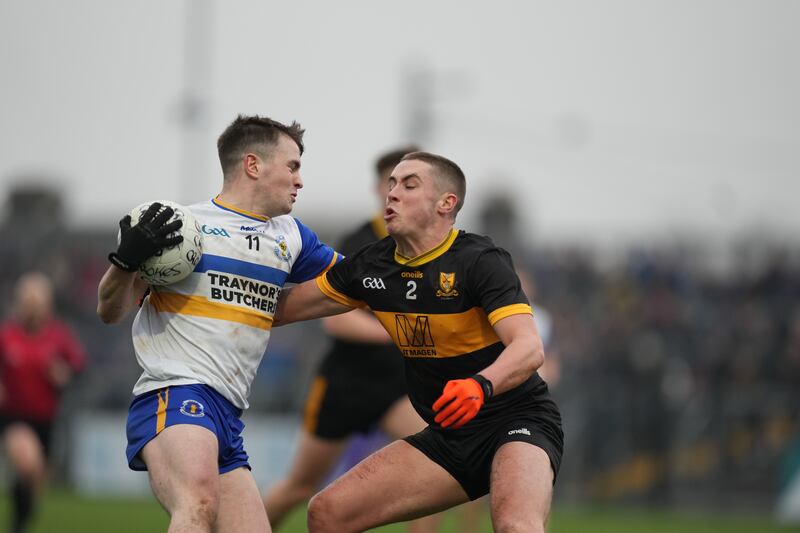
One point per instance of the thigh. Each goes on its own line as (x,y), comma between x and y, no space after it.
(314,459)
(240,507)
(401,419)
(521,486)
(182,463)
(25,450)
(396,483)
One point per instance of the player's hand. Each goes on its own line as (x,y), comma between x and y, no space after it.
(142,241)
(459,403)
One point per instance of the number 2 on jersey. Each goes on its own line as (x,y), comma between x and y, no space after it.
(412,287)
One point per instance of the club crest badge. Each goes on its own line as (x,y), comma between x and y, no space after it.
(447,285)
(192,408)
(282,249)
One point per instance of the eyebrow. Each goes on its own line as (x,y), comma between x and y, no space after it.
(404,178)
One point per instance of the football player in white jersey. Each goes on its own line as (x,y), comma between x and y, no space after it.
(199,341)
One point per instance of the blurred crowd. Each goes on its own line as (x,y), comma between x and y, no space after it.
(677,382)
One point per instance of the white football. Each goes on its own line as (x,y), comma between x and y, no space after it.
(174,263)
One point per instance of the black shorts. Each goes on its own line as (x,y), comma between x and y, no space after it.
(43,430)
(351,394)
(468,456)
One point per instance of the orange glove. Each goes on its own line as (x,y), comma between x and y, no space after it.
(459,403)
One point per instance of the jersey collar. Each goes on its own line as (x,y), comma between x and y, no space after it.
(249,214)
(431,254)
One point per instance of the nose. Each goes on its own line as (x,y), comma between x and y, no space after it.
(298,181)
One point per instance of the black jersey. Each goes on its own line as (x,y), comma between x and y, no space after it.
(439,308)
(372,358)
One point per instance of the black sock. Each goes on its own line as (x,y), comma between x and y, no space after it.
(23,504)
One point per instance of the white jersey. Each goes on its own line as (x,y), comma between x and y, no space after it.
(213,327)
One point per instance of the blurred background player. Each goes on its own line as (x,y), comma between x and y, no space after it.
(360,383)
(38,356)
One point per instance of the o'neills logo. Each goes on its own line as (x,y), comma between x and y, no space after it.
(416,274)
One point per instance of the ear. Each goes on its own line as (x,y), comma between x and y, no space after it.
(251,164)
(447,203)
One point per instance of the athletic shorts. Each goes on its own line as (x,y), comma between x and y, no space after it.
(199,405)
(468,456)
(42,429)
(345,399)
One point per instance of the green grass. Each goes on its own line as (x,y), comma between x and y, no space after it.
(64,512)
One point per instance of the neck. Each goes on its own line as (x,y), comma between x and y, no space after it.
(428,239)
(241,197)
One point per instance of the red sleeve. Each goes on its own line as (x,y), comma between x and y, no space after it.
(72,350)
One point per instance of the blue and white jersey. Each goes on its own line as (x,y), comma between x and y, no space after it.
(213,327)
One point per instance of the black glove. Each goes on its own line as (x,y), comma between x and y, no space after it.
(145,239)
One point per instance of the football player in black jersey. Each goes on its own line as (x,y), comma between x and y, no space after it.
(453,305)
(359,386)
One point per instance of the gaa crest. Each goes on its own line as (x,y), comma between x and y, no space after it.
(282,249)
(447,285)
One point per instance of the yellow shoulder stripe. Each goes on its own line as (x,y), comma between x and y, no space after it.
(513,309)
(333,294)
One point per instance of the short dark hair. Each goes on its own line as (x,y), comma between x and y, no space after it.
(445,170)
(246,133)
(391,159)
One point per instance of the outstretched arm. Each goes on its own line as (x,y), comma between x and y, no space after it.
(356,326)
(304,302)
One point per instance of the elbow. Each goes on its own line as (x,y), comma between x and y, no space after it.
(107,315)
(108,319)
(537,357)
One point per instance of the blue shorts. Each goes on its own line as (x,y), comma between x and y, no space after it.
(200,405)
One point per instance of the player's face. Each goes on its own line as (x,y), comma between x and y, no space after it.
(280,178)
(412,198)
(34,300)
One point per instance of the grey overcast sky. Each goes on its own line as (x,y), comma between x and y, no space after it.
(610,121)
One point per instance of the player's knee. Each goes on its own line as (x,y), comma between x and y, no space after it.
(199,505)
(322,514)
(201,512)
(517,524)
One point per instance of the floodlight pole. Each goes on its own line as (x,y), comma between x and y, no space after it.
(193,113)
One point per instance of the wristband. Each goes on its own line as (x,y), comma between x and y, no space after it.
(486,385)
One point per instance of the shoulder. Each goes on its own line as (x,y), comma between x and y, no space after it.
(473,246)
(204,208)
(382,248)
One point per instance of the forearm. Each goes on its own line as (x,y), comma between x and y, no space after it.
(116,294)
(518,361)
(357,326)
(304,302)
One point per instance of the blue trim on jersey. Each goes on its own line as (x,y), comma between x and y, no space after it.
(263,273)
(314,257)
(214,201)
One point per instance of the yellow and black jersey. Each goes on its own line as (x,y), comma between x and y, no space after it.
(368,359)
(439,308)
